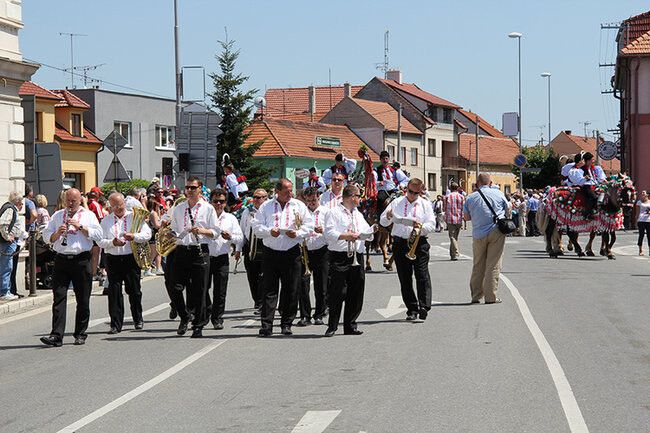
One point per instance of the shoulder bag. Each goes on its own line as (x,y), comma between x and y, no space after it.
(506,225)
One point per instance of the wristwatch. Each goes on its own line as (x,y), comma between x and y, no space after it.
(81,227)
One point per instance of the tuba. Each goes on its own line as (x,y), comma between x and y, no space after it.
(141,251)
(164,245)
(413,240)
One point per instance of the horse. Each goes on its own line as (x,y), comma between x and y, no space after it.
(381,239)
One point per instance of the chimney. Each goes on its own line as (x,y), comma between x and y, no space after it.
(312,101)
(395,75)
(347,90)
(567,132)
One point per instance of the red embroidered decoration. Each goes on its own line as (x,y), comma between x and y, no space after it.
(196,212)
(116,226)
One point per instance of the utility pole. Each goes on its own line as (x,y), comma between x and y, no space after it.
(71,55)
(399,132)
(179,84)
(597,143)
(478,164)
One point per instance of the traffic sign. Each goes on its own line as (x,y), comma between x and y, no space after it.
(116,172)
(520,160)
(607,150)
(167,181)
(115,142)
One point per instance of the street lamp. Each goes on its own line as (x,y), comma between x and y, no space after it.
(517,36)
(548,75)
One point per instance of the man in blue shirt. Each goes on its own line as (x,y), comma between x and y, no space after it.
(533,206)
(488,242)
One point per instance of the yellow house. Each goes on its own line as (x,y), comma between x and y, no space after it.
(59,118)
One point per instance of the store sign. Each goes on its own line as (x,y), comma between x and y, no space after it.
(327,142)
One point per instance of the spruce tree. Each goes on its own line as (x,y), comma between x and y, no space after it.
(234,106)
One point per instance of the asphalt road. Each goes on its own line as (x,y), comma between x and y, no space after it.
(567,350)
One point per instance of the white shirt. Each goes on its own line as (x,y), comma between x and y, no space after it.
(204,217)
(132,202)
(226,222)
(115,227)
(317,240)
(246,224)
(77,241)
(329,200)
(419,209)
(565,169)
(340,220)
(318,183)
(349,164)
(392,179)
(644,211)
(235,187)
(272,215)
(577,176)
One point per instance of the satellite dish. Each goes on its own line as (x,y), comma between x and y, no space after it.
(260,102)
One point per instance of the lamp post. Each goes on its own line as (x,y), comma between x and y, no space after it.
(517,36)
(548,75)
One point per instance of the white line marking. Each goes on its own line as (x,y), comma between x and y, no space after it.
(394,307)
(569,404)
(247,324)
(315,421)
(141,389)
(107,320)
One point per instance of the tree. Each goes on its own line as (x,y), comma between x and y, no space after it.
(548,162)
(236,109)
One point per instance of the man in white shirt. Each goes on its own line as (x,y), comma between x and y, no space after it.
(229,233)
(341,165)
(318,264)
(283,223)
(71,231)
(333,197)
(407,213)
(121,266)
(253,250)
(586,175)
(343,226)
(194,223)
(564,172)
(389,180)
(315,181)
(236,185)
(133,199)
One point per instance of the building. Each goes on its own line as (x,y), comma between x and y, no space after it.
(308,104)
(567,144)
(147,123)
(293,147)
(496,155)
(631,84)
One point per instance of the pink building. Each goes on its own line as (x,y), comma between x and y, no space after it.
(632,88)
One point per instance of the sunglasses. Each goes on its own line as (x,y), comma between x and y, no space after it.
(218,200)
(357,195)
(337,180)
(259,197)
(192,187)
(414,192)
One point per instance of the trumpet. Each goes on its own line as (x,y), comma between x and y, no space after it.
(413,240)
(352,250)
(303,246)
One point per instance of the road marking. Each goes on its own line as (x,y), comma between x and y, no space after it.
(141,389)
(394,307)
(107,320)
(569,404)
(315,421)
(247,324)
(438,251)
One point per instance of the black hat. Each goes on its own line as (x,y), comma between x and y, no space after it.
(312,170)
(384,154)
(339,157)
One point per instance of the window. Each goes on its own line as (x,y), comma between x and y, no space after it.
(414,156)
(76,125)
(432,182)
(38,126)
(403,155)
(165,137)
(446,115)
(124,128)
(73,180)
(433,113)
(506,189)
(391,152)
(432,147)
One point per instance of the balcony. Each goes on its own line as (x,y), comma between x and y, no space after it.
(455,162)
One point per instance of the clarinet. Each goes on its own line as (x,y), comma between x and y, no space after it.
(196,237)
(64,241)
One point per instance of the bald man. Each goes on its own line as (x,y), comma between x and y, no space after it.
(71,231)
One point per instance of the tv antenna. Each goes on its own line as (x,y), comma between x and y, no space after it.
(260,102)
(71,68)
(541,131)
(384,66)
(85,70)
(585,124)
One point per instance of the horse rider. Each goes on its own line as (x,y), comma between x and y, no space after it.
(315,181)
(586,175)
(389,180)
(342,165)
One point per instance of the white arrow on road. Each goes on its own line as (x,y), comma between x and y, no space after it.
(394,307)
(315,421)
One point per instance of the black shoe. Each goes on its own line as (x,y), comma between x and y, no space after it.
(173,313)
(79,341)
(113,330)
(330,332)
(217,325)
(265,332)
(257,311)
(353,332)
(318,321)
(496,301)
(197,333)
(304,322)
(423,313)
(411,316)
(453,259)
(51,341)
(139,325)
(286,330)
(182,328)
(475,301)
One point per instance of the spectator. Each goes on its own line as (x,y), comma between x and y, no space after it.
(10,231)
(153,186)
(30,208)
(643,222)
(133,199)
(453,208)
(488,243)
(60,200)
(438,213)
(43,216)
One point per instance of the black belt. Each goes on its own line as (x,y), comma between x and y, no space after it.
(82,255)
(202,247)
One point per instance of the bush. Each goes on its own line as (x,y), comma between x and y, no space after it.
(125,187)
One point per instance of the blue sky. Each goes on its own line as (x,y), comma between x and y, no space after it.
(458,50)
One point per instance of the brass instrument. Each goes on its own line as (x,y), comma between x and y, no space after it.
(303,247)
(252,240)
(66,215)
(141,251)
(163,244)
(413,240)
(352,250)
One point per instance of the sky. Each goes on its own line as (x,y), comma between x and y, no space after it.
(457,50)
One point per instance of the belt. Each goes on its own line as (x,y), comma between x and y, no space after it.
(202,247)
(81,255)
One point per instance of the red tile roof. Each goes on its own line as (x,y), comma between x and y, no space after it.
(414,90)
(483,124)
(386,115)
(289,102)
(69,100)
(641,45)
(293,138)
(588,144)
(29,88)
(491,150)
(63,135)
(632,29)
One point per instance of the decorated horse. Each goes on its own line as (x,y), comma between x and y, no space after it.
(564,208)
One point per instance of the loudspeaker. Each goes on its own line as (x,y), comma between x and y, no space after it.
(167,166)
(184,162)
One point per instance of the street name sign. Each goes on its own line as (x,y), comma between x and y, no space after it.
(327,142)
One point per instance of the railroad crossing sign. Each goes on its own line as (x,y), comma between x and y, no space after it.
(520,160)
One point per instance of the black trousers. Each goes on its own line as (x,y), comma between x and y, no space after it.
(189,270)
(123,269)
(346,285)
(531,219)
(78,270)
(280,267)
(319,266)
(405,270)
(254,275)
(644,230)
(219,273)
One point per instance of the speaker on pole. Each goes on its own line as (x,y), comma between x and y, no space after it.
(184,162)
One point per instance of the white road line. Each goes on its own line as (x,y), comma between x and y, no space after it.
(247,324)
(315,421)
(107,320)
(569,404)
(141,389)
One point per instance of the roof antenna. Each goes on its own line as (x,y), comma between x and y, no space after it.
(384,66)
